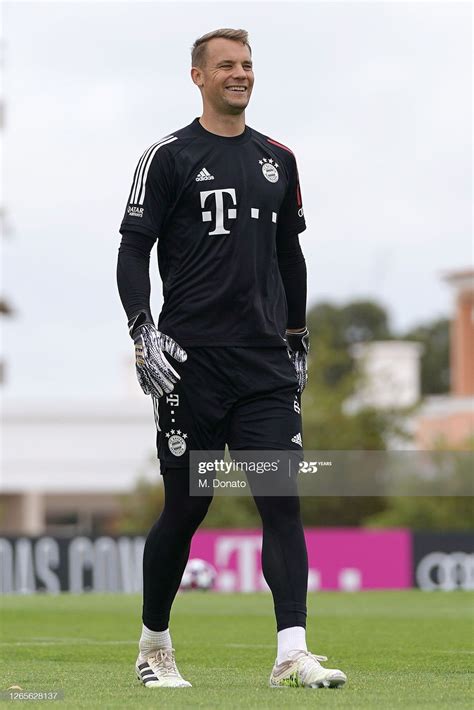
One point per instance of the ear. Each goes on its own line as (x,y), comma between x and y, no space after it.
(196,76)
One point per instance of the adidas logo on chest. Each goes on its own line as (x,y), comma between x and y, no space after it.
(204,175)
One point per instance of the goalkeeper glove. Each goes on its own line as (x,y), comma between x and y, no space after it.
(154,372)
(298,348)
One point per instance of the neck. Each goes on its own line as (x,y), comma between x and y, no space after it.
(222,125)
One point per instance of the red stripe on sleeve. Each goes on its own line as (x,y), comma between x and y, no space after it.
(298,194)
(280,145)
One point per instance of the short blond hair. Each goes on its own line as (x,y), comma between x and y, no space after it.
(198,51)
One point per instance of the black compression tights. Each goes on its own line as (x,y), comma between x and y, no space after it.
(284,558)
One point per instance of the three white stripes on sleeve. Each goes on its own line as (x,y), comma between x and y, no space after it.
(137,194)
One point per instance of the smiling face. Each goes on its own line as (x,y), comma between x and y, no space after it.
(226,77)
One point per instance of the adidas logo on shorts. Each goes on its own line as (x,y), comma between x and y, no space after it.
(204,175)
(297,439)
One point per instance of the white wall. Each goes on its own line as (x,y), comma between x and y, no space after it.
(77,446)
(390,374)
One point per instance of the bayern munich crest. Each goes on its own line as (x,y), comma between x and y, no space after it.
(269,169)
(176,442)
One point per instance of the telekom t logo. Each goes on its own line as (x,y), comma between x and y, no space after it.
(245,552)
(219,204)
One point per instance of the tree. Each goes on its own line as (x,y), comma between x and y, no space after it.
(143,505)
(435,372)
(339,327)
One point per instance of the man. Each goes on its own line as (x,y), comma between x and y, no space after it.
(224,203)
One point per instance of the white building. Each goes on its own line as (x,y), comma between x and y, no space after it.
(64,462)
(390,374)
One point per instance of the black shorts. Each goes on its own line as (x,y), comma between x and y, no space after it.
(246,398)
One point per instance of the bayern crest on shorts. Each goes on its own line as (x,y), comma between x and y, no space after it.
(176,442)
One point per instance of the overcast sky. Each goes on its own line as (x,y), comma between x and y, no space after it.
(374,99)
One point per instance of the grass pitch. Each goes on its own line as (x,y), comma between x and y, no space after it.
(399,649)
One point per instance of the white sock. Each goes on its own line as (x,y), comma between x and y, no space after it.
(152,640)
(292,639)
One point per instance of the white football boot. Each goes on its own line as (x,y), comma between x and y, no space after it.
(159,670)
(304,670)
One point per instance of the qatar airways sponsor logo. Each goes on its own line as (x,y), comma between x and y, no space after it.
(133,211)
